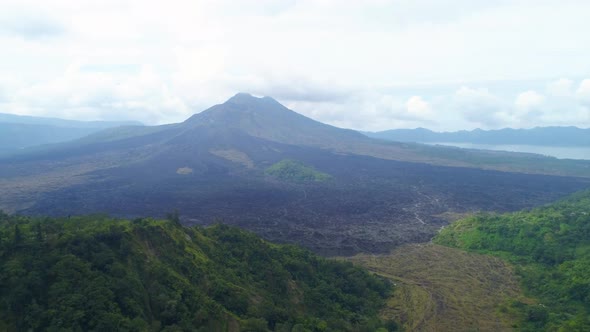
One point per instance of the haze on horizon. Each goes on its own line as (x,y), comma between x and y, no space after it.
(369,65)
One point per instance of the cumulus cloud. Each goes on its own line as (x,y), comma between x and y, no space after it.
(525,109)
(98,95)
(3,94)
(534,109)
(562,87)
(371,111)
(528,101)
(478,106)
(418,108)
(583,91)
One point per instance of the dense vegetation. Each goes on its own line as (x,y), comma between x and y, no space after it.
(291,170)
(95,273)
(550,247)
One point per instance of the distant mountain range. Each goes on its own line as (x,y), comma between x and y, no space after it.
(17,131)
(254,163)
(547,136)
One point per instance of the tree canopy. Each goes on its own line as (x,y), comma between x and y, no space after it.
(96,273)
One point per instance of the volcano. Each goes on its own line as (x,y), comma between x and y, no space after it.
(254,163)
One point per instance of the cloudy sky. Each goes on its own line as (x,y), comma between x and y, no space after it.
(370,65)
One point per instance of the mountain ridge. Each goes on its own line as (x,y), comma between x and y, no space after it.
(550,136)
(58,122)
(18,132)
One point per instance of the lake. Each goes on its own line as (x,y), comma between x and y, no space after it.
(561,152)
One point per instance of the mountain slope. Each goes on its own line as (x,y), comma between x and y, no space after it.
(99,274)
(548,136)
(264,118)
(267,119)
(550,248)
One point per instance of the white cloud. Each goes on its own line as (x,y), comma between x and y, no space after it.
(99,95)
(369,110)
(361,64)
(562,87)
(583,91)
(478,105)
(571,116)
(474,97)
(528,101)
(418,108)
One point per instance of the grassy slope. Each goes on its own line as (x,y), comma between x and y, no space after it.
(291,170)
(445,289)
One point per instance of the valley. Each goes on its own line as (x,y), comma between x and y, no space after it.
(524,271)
(548,247)
(254,164)
(373,196)
(368,205)
(446,289)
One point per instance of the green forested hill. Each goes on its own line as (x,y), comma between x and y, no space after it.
(99,274)
(550,248)
(292,170)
